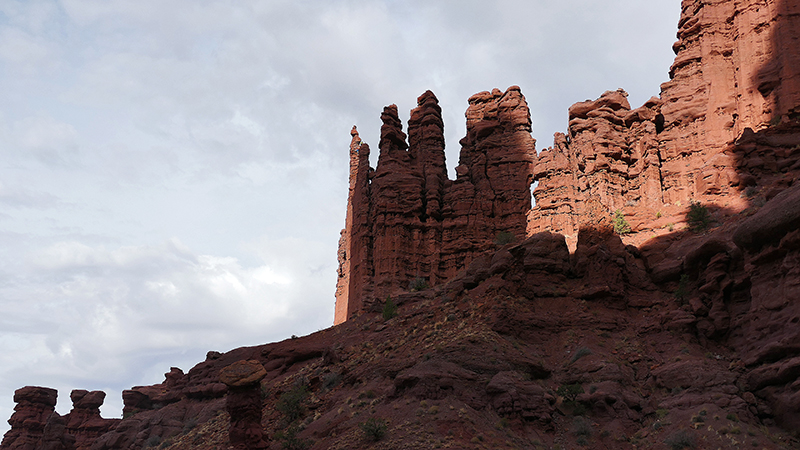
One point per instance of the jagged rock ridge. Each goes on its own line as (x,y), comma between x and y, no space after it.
(407,221)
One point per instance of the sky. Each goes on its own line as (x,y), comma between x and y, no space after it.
(173,175)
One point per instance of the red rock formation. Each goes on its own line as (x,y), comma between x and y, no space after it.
(407,221)
(244,404)
(609,160)
(84,422)
(36,425)
(35,406)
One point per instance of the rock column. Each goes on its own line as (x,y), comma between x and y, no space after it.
(34,407)
(244,404)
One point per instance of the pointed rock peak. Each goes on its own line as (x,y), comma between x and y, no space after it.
(355,143)
(426,97)
(392,136)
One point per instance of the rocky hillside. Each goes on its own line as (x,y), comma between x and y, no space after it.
(649,299)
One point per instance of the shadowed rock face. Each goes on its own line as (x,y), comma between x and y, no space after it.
(407,221)
(36,425)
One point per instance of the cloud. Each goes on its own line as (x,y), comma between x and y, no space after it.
(95,311)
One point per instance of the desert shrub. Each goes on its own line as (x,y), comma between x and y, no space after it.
(418,284)
(580,353)
(569,391)
(680,439)
(504,237)
(331,380)
(389,309)
(750,191)
(683,289)
(374,429)
(290,440)
(152,441)
(581,426)
(292,403)
(189,425)
(621,226)
(698,216)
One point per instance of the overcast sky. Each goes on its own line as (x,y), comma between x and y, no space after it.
(174,173)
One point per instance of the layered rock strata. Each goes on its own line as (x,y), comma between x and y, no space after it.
(727,117)
(407,222)
(244,404)
(36,425)
(35,407)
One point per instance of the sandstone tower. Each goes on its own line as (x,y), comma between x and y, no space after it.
(407,221)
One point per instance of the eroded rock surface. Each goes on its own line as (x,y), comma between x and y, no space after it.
(407,222)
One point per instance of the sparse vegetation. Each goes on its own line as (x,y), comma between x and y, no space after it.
(153,441)
(504,237)
(331,380)
(698,216)
(292,403)
(680,439)
(374,429)
(418,284)
(580,353)
(569,391)
(581,427)
(683,289)
(389,309)
(289,439)
(621,226)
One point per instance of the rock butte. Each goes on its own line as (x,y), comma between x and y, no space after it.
(684,333)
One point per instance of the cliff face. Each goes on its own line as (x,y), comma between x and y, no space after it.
(724,120)
(407,222)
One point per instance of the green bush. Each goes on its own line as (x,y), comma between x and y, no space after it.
(389,309)
(374,429)
(681,439)
(580,353)
(504,237)
(570,391)
(418,284)
(621,226)
(698,216)
(581,426)
(289,439)
(292,403)
(683,289)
